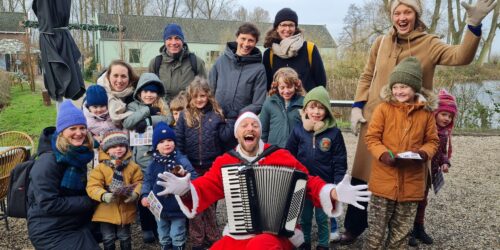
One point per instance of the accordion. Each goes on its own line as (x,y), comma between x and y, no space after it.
(262,198)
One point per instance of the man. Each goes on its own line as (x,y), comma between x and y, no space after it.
(176,66)
(206,190)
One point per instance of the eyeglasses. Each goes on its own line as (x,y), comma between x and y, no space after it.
(287,25)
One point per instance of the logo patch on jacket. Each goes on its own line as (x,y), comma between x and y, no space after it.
(325,144)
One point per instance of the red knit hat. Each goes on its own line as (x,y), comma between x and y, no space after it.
(447,103)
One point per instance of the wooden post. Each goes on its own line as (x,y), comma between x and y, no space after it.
(46,97)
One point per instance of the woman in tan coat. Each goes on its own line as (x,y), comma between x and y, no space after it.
(406,38)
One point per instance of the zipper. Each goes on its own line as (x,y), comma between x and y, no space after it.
(199,144)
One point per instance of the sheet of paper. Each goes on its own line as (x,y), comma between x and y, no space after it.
(125,190)
(409,155)
(144,139)
(154,205)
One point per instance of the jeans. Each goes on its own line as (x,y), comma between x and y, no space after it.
(321,221)
(333,225)
(110,232)
(172,231)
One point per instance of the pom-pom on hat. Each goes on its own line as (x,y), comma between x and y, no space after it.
(408,72)
(247,114)
(285,14)
(96,96)
(69,115)
(114,138)
(416,5)
(162,132)
(173,29)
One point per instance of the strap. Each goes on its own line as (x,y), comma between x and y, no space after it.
(265,153)
(157,65)
(310,47)
(194,65)
(271,54)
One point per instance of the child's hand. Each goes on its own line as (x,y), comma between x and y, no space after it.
(445,168)
(387,159)
(108,197)
(145,202)
(133,197)
(140,127)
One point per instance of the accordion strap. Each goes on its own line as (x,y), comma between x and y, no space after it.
(265,153)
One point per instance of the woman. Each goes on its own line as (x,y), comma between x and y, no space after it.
(119,81)
(59,210)
(289,49)
(407,37)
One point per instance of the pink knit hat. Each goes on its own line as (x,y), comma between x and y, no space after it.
(447,103)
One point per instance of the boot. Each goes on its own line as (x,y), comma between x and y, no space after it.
(347,238)
(422,235)
(126,245)
(413,241)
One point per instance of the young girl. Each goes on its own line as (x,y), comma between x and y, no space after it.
(318,144)
(403,122)
(177,105)
(445,116)
(280,112)
(172,222)
(201,131)
(95,109)
(147,109)
(116,169)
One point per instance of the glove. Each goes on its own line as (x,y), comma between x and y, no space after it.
(154,110)
(173,184)
(133,197)
(356,120)
(476,13)
(350,194)
(108,197)
(423,155)
(141,126)
(387,159)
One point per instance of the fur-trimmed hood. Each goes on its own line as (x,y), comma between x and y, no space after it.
(425,98)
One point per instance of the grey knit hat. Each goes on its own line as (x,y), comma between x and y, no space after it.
(408,72)
(114,138)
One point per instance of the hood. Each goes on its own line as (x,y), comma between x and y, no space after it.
(255,55)
(147,78)
(104,156)
(321,95)
(425,98)
(45,140)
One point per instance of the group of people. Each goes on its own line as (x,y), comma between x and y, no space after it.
(249,104)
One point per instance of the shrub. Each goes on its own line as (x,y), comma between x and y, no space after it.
(4,89)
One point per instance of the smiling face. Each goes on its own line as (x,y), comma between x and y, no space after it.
(173,45)
(117,151)
(166,146)
(286,29)
(444,118)
(403,93)
(245,44)
(148,97)
(98,109)
(287,91)
(199,99)
(248,135)
(118,78)
(403,18)
(75,135)
(315,111)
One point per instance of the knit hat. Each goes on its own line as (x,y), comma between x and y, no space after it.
(173,29)
(247,114)
(416,5)
(151,87)
(69,115)
(285,14)
(148,79)
(162,132)
(408,72)
(96,96)
(114,138)
(446,103)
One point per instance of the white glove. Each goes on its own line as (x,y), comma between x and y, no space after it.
(476,13)
(108,197)
(173,184)
(356,120)
(350,194)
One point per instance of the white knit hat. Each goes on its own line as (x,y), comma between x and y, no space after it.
(247,114)
(416,5)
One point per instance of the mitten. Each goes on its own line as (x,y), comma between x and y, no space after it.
(476,13)
(423,155)
(350,194)
(141,126)
(387,159)
(133,197)
(154,110)
(108,197)
(356,120)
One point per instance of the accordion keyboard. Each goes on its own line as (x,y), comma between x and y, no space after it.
(235,211)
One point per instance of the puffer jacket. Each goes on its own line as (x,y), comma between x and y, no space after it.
(278,121)
(117,212)
(202,144)
(401,127)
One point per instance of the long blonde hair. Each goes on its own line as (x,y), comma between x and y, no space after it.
(158,103)
(193,114)
(62,143)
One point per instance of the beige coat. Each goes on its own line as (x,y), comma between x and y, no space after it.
(386,52)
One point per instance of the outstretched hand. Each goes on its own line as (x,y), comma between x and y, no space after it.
(356,120)
(350,194)
(477,12)
(173,184)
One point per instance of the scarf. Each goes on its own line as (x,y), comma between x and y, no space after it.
(75,160)
(289,47)
(118,166)
(166,161)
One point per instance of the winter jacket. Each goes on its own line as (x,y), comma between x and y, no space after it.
(98,124)
(117,101)
(239,82)
(310,75)
(140,112)
(57,218)
(170,206)
(401,127)
(175,72)
(429,50)
(278,121)
(202,144)
(116,212)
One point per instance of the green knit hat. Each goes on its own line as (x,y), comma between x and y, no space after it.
(407,72)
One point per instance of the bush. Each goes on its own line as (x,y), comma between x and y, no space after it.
(4,89)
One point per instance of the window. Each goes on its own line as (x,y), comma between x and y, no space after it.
(134,55)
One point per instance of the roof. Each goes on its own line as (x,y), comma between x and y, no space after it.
(9,21)
(198,30)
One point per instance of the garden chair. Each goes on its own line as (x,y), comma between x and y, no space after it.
(8,160)
(17,139)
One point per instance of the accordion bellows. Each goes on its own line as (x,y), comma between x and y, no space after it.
(262,198)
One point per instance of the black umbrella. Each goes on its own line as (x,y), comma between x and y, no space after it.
(59,53)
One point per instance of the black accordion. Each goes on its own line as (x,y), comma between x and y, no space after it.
(262,198)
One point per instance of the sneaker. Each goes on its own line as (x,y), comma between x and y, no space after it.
(413,241)
(335,236)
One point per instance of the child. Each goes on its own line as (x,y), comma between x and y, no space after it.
(200,132)
(115,170)
(445,115)
(403,122)
(177,105)
(148,109)
(280,111)
(96,113)
(172,222)
(318,144)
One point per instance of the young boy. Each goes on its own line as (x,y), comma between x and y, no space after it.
(172,222)
(116,170)
(402,122)
(318,144)
(96,113)
(177,105)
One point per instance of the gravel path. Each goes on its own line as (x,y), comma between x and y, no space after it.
(464,215)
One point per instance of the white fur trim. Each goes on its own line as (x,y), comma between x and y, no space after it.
(326,201)
(297,238)
(247,114)
(194,197)
(225,232)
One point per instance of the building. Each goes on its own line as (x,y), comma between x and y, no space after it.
(11,36)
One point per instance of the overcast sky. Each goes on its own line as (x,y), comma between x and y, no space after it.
(323,12)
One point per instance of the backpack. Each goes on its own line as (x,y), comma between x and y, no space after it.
(310,47)
(192,60)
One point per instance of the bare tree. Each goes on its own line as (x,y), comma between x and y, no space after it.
(259,15)
(456,21)
(191,7)
(241,14)
(435,16)
(486,49)
(140,6)
(215,9)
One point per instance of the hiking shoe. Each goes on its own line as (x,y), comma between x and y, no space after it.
(335,236)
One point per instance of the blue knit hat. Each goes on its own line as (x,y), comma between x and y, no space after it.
(161,132)
(69,115)
(151,87)
(96,96)
(173,29)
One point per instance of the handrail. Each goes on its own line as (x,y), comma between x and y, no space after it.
(341,103)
